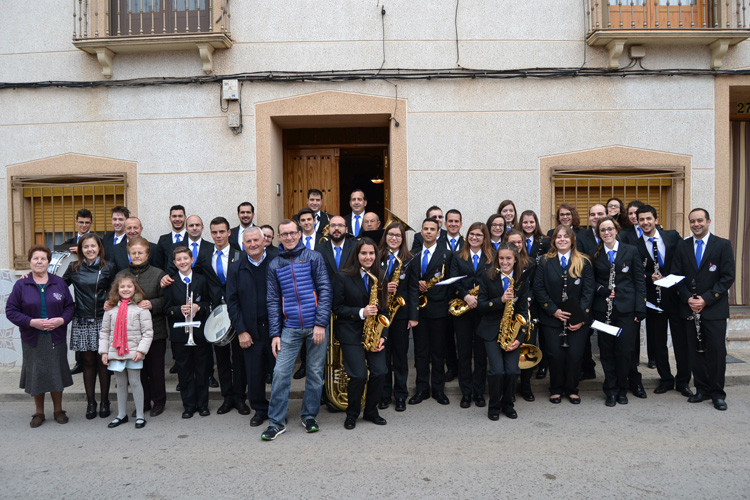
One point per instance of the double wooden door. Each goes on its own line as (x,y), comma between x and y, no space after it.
(308,168)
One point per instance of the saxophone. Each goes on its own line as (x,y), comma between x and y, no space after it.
(429,284)
(374,325)
(394,301)
(457,307)
(511,323)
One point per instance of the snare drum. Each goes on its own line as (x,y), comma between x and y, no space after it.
(60,261)
(218,328)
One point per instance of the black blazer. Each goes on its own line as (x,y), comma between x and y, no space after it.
(548,285)
(242,299)
(539,247)
(216,289)
(490,303)
(630,285)
(325,248)
(174,299)
(234,242)
(350,223)
(408,288)
(204,248)
(416,244)
(108,241)
(163,250)
(646,252)
(461,267)
(586,242)
(629,236)
(712,281)
(349,296)
(437,296)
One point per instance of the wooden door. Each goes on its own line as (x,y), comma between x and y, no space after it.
(308,168)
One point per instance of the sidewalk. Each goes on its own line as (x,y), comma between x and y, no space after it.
(738,373)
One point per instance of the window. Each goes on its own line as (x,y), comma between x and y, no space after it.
(139,17)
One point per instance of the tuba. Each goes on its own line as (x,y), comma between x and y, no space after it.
(374,325)
(457,307)
(336,379)
(511,324)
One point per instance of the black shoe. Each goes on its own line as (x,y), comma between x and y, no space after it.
(493,415)
(685,391)
(173,370)
(639,392)
(350,422)
(156,410)
(91,411)
(76,369)
(451,375)
(117,422)
(622,399)
(698,397)
(662,388)
(225,407)
(651,364)
(465,401)
(178,388)
(310,425)
(400,404)
(384,403)
(300,373)
(555,400)
(188,413)
(258,419)
(441,398)
(104,410)
(541,372)
(574,399)
(720,404)
(269,378)
(140,423)
(375,419)
(480,402)
(419,397)
(510,412)
(212,383)
(242,408)
(588,375)
(528,396)
(204,412)
(610,401)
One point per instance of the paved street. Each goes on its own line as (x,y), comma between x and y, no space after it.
(661,447)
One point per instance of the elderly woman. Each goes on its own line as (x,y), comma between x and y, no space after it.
(90,276)
(148,277)
(41,306)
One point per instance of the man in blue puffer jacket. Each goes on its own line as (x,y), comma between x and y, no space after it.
(299,310)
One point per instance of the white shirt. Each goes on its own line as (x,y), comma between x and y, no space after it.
(615,248)
(224,259)
(472,254)
(659,244)
(566,255)
(429,256)
(317,220)
(117,239)
(188,276)
(705,242)
(182,236)
(312,240)
(448,238)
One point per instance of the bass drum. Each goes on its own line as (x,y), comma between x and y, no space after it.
(60,261)
(218,328)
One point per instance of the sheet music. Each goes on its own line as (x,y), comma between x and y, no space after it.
(605,328)
(449,280)
(669,281)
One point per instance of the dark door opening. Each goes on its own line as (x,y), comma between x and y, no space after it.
(358,168)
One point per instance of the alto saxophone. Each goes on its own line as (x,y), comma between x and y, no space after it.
(429,284)
(394,301)
(457,307)
(374,325)
(511,324)
(611,286)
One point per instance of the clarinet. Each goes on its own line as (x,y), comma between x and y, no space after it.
(611,286)
(696,317)
(656,271)
(564,334)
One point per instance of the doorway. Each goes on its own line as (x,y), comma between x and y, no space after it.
(363,168)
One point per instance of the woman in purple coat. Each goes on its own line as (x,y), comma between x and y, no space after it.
(41,306)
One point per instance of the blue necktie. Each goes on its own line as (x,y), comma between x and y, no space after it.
(177,238)
(611,254)
(425,261)
(476,261)
(116,240)
(317,222)
(367,283)
(307,242)
(495,245)
(640,231)
(598,240)
(338,257)
(453,244)
(195,253)
(356,225)
(529,244)
(220,268)
(391,258)
(186,280)
(698,253)
(656,251)
(506,283)
(563,262)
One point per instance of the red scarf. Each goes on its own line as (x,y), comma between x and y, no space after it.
(120,341)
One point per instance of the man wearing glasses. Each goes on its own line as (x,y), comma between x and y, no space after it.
(299,310)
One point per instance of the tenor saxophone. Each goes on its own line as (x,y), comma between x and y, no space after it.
(374,325)
(457,307)
(511,323)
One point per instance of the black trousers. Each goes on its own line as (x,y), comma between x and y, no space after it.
(634,376)
(502,375)
(356,363)
(191,373)
(656,333)
(152,375)
(564,362)
(256,368)
(449,345)
(429,354)
(230,363)
(470,346)
(616,353)
(588,365)
(709,368)
(396,360)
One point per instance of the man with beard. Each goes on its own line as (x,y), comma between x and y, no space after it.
(246,213)
(163,257)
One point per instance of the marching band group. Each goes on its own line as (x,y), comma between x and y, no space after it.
(489,307)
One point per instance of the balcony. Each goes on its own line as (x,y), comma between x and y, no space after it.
(717,24)
(107,27)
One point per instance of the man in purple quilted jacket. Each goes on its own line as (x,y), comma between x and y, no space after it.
(299,310)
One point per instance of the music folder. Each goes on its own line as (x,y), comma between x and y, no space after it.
(576,313)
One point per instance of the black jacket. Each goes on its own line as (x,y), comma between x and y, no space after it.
(90,286)
(243,303)
(408,289)
(645,249)
(630,285)
(349,296)
(437,296)
(548,285)
(490,303)
(175,297)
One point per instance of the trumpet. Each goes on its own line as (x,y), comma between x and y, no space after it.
(189,322)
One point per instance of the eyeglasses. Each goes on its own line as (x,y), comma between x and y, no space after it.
(476,236)
(497,225)
(288,235)
(613,205)
(436,217)
(393,235)
(565,215)
(606,229)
